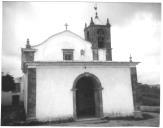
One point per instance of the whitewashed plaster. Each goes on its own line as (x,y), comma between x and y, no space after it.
(51,49)
(54,98)
(102,54)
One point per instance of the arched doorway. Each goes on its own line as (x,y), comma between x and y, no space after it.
(87,96)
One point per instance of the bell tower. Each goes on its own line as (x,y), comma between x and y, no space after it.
(99,35)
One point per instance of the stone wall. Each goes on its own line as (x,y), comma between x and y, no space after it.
(31,100)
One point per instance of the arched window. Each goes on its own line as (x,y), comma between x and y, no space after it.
(88,36)
(100,42)
(100,33)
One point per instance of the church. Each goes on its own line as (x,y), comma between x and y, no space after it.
(67,76)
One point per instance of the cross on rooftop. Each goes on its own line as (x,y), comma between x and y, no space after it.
(95,7)
(66,25)
(130,58)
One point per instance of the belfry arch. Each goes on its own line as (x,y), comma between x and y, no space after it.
(87,96)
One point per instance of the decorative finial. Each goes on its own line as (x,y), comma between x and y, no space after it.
(107,21)
(66,25)
(92,23)
(28,44)
(85,25)
(108,24)
(95,7)
(130,58)
(96,17)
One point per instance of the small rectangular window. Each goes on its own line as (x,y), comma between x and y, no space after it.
(100,42)
(68,57)
(67,54)
(17,88)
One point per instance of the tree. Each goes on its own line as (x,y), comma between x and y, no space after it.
(148,95)
(8,83)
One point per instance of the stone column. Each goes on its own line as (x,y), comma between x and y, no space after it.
(137,112)
(98,102)
(109,54)
(31,94)
(74,104)
(95,54)
(101,103)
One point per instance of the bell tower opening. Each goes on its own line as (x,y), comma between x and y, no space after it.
(100,36)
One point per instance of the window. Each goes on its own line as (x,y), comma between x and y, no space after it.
(100,33)
(82,52)
(67,54)
(88,36)
(68,57)
(100,42)
(17,88)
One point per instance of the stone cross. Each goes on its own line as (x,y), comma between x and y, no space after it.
(130,58)
(66,25)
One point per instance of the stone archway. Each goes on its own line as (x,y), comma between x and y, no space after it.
(87,96)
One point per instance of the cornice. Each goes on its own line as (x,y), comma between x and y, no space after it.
(83,63)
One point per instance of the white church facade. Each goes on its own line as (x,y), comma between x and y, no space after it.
(67,76)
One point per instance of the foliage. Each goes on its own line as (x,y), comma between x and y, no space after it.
(148,95)
(12,114)
(8,83)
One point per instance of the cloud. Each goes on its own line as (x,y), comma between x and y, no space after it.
(135,29)
(140,37)
(11,65)
(13,13)
(118,12)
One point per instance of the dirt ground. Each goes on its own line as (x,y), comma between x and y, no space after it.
(150,120)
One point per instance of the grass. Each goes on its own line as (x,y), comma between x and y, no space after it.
(155,109)
(39,123)
(15,116)
(148,95)
(129,118)
(146,116)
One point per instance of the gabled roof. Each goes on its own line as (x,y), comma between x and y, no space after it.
(63,33)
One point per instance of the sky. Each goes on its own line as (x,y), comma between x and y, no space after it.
(135,30)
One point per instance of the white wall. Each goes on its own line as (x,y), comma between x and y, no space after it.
(54,97)
(51,50)
(102,54)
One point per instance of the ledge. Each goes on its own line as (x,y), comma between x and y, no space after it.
(82,63)
(28,50)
